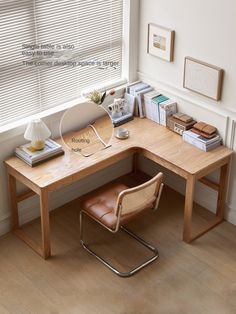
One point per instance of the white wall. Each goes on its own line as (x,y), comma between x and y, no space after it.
(205,30)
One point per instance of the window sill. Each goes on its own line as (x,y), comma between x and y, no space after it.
(17,128)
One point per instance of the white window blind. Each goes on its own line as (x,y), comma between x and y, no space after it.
(19,93)
(73,31)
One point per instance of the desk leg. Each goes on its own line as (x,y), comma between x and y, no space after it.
(43,250)
(13,202)
(188,235)
(224,176)
(188,208)
(45,226)
(135,162)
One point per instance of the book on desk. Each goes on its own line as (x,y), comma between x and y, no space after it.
(33,158)
(200,141)
(150,103)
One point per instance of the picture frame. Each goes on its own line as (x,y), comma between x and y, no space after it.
(160,42)
(203,78)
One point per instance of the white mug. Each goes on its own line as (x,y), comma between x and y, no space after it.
(122,132)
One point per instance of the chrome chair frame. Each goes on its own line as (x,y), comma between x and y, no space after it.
(127,231)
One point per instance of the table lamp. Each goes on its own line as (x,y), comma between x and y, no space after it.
(37,132)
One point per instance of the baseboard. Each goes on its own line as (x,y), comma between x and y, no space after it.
(230,215)
(4,226)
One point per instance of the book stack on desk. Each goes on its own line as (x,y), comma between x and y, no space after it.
(156,101)
(202,142)
(158,107)
(133,88)
(148,104)
(138,90)
(34,158)
(166,109)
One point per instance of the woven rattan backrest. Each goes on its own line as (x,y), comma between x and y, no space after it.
(140,197)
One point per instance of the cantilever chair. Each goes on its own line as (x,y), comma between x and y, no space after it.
(116,205)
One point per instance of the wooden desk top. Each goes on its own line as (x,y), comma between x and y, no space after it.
(151,139)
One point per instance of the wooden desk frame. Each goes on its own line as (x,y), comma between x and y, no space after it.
(44,249)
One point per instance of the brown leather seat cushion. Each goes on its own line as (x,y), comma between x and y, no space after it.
(101,203)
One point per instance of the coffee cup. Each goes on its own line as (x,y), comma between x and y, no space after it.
(122,132)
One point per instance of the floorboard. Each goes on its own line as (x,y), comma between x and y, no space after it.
(193,278)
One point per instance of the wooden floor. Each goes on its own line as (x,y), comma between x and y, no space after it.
(186,279)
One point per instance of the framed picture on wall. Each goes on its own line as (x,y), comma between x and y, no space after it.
(160,42)
(203,78)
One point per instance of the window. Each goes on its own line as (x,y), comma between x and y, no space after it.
(51,50)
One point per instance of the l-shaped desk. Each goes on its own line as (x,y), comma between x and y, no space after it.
(146,138)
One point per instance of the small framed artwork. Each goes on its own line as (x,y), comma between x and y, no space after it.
(161,42)
(203,78)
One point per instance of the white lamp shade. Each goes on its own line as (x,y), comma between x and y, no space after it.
(36,131)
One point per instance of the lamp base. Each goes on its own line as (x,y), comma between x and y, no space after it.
(37,145)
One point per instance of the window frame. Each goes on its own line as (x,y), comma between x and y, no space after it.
(129,73)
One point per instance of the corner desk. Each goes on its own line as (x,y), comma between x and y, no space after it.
(147,138)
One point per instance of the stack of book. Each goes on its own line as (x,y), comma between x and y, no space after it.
(138,90)
(166,109)
(34,158)
(150,103)
(202,142)
(135,87)
(148,97)
(140,101)
(156,101)
(158,107)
